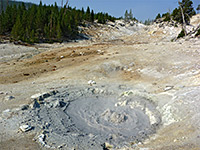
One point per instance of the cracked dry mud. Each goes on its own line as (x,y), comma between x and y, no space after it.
(146,94)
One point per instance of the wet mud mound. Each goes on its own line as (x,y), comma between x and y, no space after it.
(86,118)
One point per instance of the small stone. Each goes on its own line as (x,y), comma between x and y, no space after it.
(91,82)
(100,52)
(82,53)
(7,98)
(25,128)
(41,138)
(175,140)
(60,146)
(59,104)
(107,146)
(127,93)
(132,64)
(167,88)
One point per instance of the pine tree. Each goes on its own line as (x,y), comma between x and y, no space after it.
(166,16)
(198,8)
(58,31)
(158,16)
(1,27)
(2,23)
(126,15)
(32,37)
(88,15)
(130,15)
(92,16)
(18,30)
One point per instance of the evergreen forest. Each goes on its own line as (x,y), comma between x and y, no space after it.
(42,23)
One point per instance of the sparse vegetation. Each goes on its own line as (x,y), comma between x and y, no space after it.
(148,22)
(198,33)
(181,34)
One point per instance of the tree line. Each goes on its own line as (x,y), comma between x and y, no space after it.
(41,23)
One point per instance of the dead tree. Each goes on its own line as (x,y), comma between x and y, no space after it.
(183,18)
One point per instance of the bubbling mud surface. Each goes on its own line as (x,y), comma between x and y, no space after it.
(87,118)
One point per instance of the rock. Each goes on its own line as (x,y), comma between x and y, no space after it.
(41,138)
(120,22)
(25,128)
(6,113)
(41,96)
(81,53)
(8,98)
(91,82)
(132,64)
(107,146)
(37,97)
(59,104)
(35,104)
(1,92)
(127,93)
(112,24)
(100,52)
(61,146)
(24,107)
(167,88)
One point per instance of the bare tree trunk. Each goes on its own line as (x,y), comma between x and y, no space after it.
(171,17)
(183,17)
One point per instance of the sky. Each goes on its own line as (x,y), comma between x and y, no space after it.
(142,9)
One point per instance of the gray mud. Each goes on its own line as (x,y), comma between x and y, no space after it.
(86,118)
